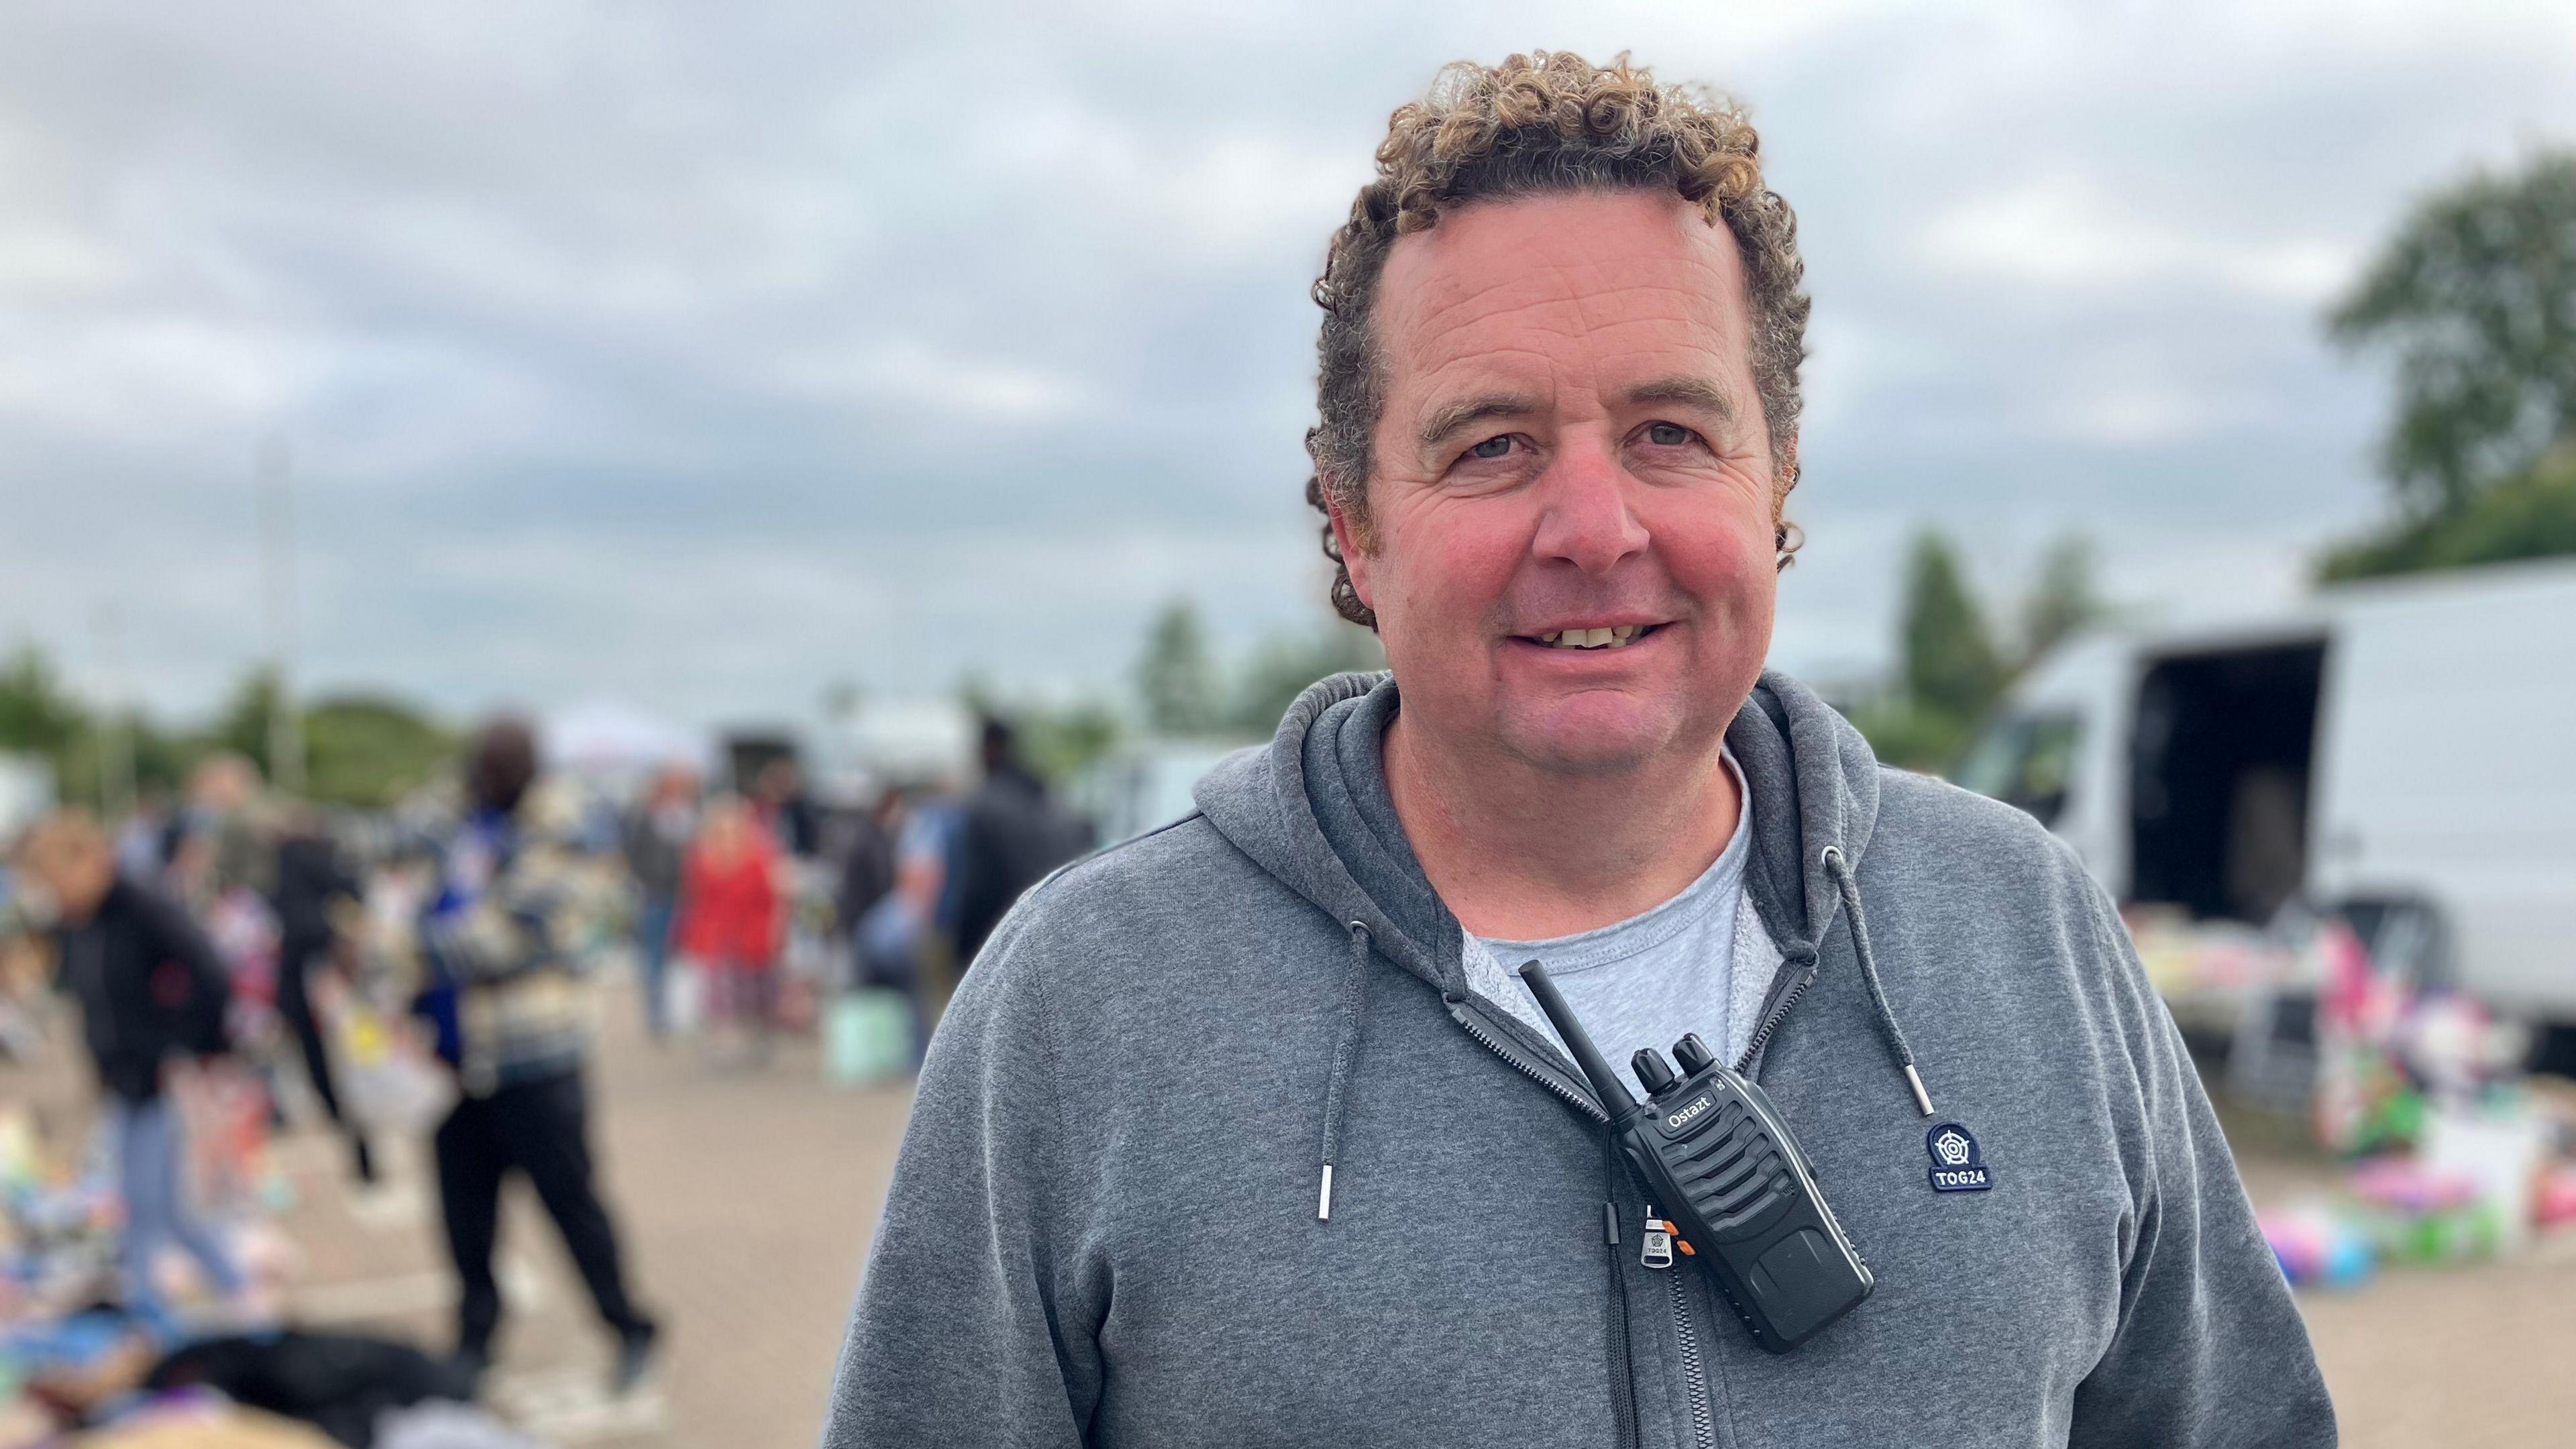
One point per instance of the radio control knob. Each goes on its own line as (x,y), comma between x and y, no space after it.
(1649,1066)
(1694,1055)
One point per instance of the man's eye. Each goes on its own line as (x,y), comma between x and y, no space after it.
(1494,447)
(1667,435)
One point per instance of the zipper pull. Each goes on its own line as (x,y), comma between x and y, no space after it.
(1658,1249)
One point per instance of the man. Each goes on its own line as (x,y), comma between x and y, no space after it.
(504,988)
(1243,1132)
(218,847)
(655,840)
(151,994)
(1009,836)
(313,894)
(868,872)
(778,793)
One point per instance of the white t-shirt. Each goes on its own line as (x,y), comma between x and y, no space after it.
(1648,979)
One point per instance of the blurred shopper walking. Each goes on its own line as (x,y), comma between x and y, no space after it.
(778,797)
(143,840)
(867,881)
(215,850)
(506,993)
(313,891)
(151,993)
(1011,834)
(730,920)
(656,839)
(883,929)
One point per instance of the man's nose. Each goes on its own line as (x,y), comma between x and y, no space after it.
(1586,516)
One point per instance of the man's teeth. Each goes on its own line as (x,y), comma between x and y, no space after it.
(1616,636)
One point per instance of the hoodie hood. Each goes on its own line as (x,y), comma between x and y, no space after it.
(1312,809)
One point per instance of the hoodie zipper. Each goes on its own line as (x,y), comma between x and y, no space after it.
(1771,1019)
(1535,1071)
(1694,1368)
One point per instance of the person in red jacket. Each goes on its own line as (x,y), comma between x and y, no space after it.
(730,919)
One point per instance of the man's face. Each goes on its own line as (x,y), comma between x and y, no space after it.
(1571,440)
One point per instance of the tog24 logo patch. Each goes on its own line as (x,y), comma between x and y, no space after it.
(1958,1164)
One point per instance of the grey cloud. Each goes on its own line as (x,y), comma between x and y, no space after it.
(703,357)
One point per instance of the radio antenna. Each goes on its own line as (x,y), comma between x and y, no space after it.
(1605,1082)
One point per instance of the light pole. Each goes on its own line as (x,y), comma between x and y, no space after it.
(277,576)
(116,727)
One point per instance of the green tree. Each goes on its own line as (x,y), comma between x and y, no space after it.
(2064,600)
(1057,741)
(2475,297)
(1285,664)
(2529,516)
(1175,680)
(1903,733)
(370,751)
(90,765)
(1949,670)
(1951,665)
(242,726)
(37,715)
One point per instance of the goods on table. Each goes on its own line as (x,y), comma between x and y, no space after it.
(2317,1245)
(2553,1197)
(57,1225)
(2420,1214)
(2458,1153)
(2208,971)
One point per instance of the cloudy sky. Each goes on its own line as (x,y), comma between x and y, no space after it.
(703,357)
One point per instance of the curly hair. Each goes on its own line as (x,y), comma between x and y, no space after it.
(1537,123)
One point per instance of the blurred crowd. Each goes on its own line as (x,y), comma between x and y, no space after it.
(234,962)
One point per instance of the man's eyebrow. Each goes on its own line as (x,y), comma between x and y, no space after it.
(1696,392)
(1448,418)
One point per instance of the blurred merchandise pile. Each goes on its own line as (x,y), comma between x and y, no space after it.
(82,1363)
(77,1367)
(2451,1152)
(70,1355)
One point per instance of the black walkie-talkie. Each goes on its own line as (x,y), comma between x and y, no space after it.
(1712,1151)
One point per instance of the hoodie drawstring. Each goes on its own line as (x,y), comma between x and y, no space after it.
(1354,1009)
(1840,869)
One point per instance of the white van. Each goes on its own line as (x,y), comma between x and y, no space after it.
(2402,743)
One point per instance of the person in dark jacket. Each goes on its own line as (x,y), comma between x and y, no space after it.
(1010,835)
(778,795)
(151,993)
(506,994)
(868,874)
(311,886)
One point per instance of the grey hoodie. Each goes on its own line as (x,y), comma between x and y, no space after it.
(1107,1223)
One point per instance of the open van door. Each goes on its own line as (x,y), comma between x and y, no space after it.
(2221,761)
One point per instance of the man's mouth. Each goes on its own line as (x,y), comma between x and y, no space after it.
(1616,636)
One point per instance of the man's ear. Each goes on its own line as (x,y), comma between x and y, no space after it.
(1352,538)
